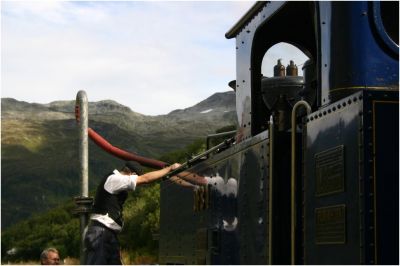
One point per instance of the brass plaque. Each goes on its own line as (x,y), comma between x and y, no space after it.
(329,171)
(330,225)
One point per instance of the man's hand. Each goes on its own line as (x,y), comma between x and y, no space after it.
(174,166)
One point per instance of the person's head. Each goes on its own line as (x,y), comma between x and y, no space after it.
(132,168)
(50,256)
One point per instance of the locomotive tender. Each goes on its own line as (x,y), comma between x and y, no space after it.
(312,174)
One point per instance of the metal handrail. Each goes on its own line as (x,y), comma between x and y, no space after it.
(190,162)
(293,175)
(271,163)
(209,137)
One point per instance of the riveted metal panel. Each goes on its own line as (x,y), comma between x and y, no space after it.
(332,196)
(345,195)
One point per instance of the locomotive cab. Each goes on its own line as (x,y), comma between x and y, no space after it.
(312,177)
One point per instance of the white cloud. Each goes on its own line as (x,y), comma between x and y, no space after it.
(151,56)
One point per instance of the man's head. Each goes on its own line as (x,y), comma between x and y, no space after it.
(133,167)
(50,256)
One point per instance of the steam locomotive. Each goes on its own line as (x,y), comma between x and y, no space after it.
(311,175)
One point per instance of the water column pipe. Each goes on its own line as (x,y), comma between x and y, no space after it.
(83,202)
(82,102)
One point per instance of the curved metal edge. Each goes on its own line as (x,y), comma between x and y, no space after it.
(243,20)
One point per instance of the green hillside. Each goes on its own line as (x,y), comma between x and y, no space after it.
(24,241)
(39,165)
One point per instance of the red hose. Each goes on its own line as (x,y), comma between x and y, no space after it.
(124,155)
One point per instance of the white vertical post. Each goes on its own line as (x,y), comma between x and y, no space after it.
(82,103)
(83,202)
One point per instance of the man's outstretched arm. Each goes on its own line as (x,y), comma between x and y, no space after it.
(155,175)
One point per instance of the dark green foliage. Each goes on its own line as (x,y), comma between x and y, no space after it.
(141,212)
(56,228)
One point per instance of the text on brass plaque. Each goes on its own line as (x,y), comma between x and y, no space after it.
(329,171)
(330,225)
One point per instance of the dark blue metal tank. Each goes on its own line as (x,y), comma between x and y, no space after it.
(356,50)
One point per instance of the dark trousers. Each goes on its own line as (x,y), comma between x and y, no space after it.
(102,246)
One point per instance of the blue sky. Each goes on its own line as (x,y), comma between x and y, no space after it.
(153,57)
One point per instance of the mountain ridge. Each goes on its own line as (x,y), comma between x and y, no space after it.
(218,99)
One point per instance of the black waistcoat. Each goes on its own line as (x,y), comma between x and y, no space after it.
(106,202)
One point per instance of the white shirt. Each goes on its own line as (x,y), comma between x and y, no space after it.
(114,184)
(118,182)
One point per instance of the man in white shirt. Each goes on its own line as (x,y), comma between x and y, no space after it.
(101,242)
